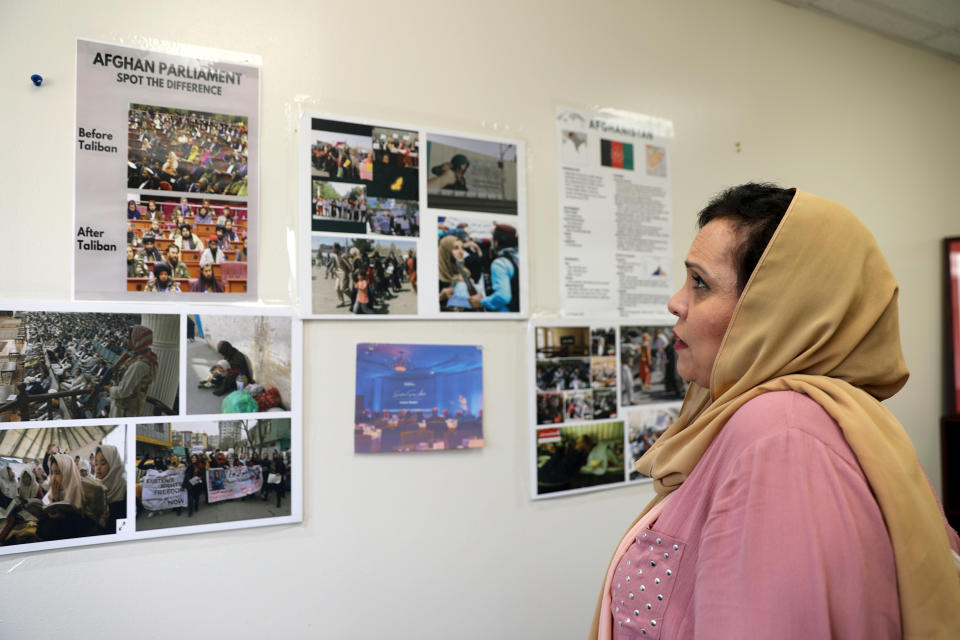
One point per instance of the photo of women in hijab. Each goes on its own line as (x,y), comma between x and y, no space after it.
(109,471)
(455,282)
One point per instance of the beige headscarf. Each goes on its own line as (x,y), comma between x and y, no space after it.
(819,316)
(71,487)
(115,480)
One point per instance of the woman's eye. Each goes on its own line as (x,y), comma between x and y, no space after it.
(698,283)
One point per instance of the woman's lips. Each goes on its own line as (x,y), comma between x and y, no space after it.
(679,344)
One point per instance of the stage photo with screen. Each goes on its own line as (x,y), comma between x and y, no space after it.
(418,397)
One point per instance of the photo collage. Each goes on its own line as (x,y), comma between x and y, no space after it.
(378,193)
(120,421)
(603,395)
(188,219)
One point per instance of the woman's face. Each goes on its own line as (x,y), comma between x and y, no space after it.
(100,467)
(705,302)
(457,251)
(56,478)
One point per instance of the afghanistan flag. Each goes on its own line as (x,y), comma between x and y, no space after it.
(618,155)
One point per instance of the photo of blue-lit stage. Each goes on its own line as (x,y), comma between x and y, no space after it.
(418,397)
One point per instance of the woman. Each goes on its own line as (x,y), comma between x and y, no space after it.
(790,503)
(454,290)
(29,488)
(75,507)
(194,482)
(207,281)
(129,397)
(109,470)
(239,369)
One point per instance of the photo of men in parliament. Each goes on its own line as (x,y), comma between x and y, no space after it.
(186,244)
(69,366)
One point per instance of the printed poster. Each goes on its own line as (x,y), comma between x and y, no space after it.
(418,397)
(404,222)
(602,393)
(172,141)
(616,213)
(113,415)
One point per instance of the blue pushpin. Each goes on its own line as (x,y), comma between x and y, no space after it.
(37,79)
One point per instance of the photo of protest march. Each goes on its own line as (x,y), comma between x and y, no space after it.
(186,244)
(238,363)
(418,397)
(69,366)
(644,426)
(363,276)
(339,206)
(212,472)
(186,151)
(648,362)
(61,483)
(381,167)
(478,264)
(471,175)
(579,456)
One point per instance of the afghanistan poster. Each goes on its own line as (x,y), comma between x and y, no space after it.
(167,175)
(616,213)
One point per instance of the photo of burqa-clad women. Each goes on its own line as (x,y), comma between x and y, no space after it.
(648,363)
(478,265)
(63,483)
(238,364)
(68,366)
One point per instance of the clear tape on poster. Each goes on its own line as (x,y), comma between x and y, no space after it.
(180,125)
(372,191)
(228,375)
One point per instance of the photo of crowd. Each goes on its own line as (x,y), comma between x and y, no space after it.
(579,457)
(563,374)
(238,363)
(604,404)
(68,366)
(467,174)
(186,151)
(384,162)
(341,156)
(418,397)
(644,426)
(478,265)
(550,408)
(363,276)
(648,361)
(61,483)
(212,472)
(396,147)
(186,244)
(393,217)
(339,206)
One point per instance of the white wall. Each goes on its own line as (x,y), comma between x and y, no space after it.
(448,545)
